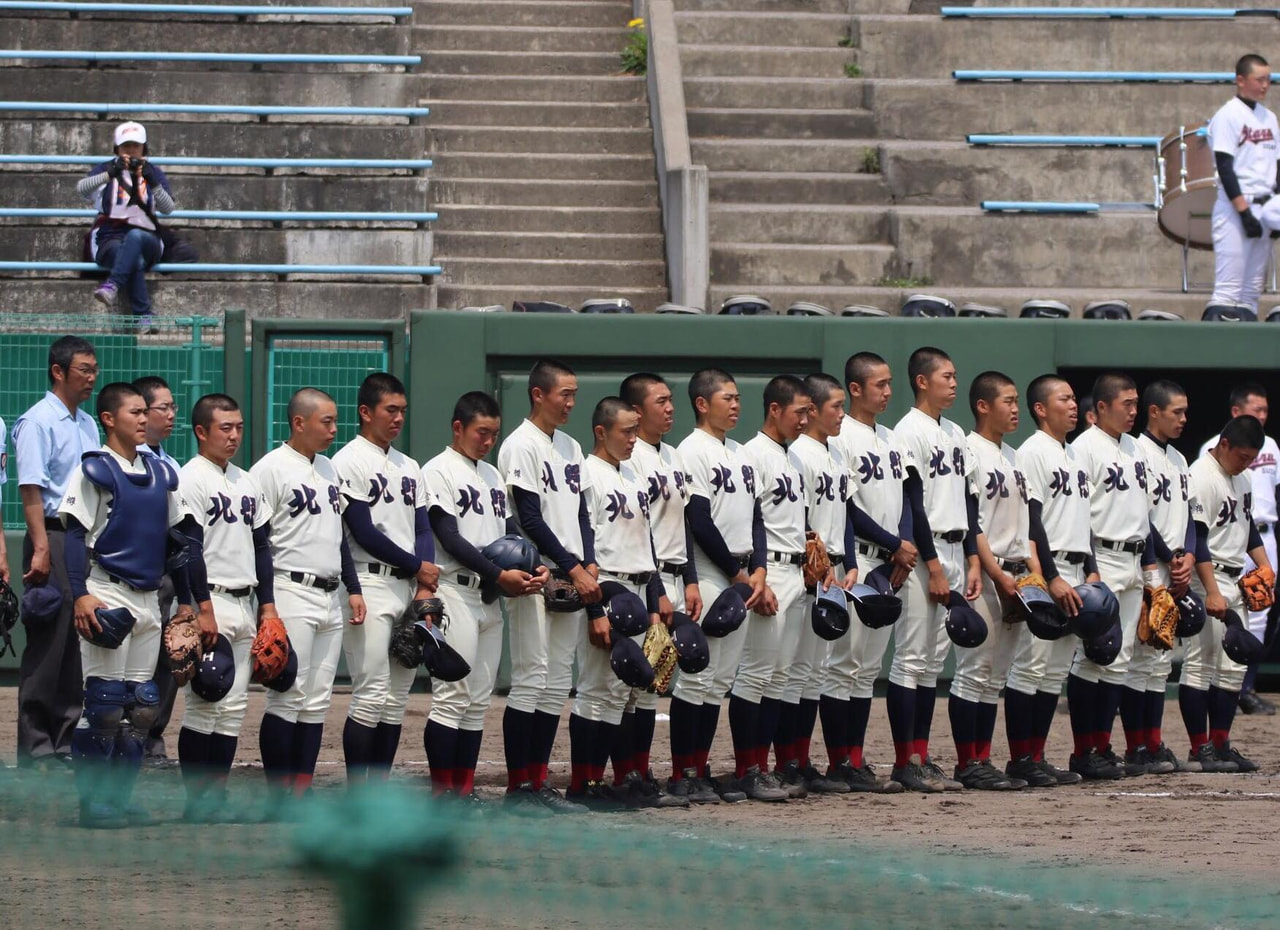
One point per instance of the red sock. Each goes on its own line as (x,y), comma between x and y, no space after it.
(1019,748)
(700,760)
(1154,739)
(743,759)
(1133,739)
(679,764)
(762,758)
(855,756)
(1102,742)
(538,774)
(1219,737)
(965,753)
(579,775)
(982,750)
(1198,740)
(1037,748)
(1084,743)
(516,777)
(640,762)
(921,748)
(441,781)
(902,753)
(301,782)
(464,780)
(802,752)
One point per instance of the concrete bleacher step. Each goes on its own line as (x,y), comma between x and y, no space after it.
(773,92)
(798,6)
(175,295)
(579,115)
(460,165)
(796,187)
(454,297)
(508,63)
(800,264)
(780,123)
(1246,5)
(615,88)
(550,140)
(543,192)
(920,46)
(802,225)
(550,272)
(598,14)
(747,154)
(763,61)
(498,37)
(560,220)
(578,245)
(777,29)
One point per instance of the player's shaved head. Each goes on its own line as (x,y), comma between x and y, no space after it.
(635,388)
(820,386)
(860,366)
(987,387)
(114,396)
(1246,63)
(608,410)
(304,402)
(1040,390)
(377,386)
(923,362)
(1244,432)
(1161,394)
(1241,393)
(1110,385)
(202,412)
(783,390)
(545,374)
(472,405)
(706,383)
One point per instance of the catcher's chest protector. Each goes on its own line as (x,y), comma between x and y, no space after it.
(132,545)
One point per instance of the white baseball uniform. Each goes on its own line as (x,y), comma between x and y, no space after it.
(1249,135)
(769,647)
(1168,483)
(722,473)
(304,502)
(941,456)
(4,458)
(1119,515)
(389,482)
(1264,472)
(1222,503)
(877,470)
(1057,480)
(229,506)
(474,494)
(1001,490)
(618,502)
(826,491)
(542,643)
(135,658)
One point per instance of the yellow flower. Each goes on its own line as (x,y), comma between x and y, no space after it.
(634,23)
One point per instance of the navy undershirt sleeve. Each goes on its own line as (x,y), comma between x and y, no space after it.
(529,509)
(690,573)
(1090,564)
(264,565)
(423,545)
(196,580)
(1157,547)
(588,534)
(359,520)
(920,531)
(971,537)
(1038,536)
(863,527)
(707,536)
(76,555)
(850,543)
(349,579)
(1227,174)
(1255,538)
(445,526)
(1202,542)
(654,592)
(1189,544)
(759,541)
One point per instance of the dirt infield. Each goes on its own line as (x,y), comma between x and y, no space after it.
(1203,825)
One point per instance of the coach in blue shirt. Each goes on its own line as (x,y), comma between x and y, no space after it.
(48,441)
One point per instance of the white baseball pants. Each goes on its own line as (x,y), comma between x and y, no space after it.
(313,619)
(921,643)
(1041,664)
(475,630)
(379,686)
(1122,573)
(1205,664)
(236,621)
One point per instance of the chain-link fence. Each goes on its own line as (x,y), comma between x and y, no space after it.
(334,363)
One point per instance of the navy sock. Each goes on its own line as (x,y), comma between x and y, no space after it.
(1133,717)
(642,737)
(901,704)
(1046,706)
(1082,700)
(357,748)
(925,699)
(986,729)
(744,726)
(544,736)
(856,732)
(193,756)
(275,743)
(783,736)
(1194,705)
(1250,678)
(441,744)
(836,716)
(307,738)
(517,743)
(606,738)
(684,734)
(768,725)
(1019,721)
(806,719)
(582,748)
(468,752)
(964,727)
(222,752)
(708,721)
(1155,709)
(1222,713)
(620,748)
(1108,706)
(386,740)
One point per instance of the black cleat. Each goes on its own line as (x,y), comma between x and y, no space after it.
(824,784)
(982,777)
(523,801)
(692,788)
(726,789)
(913,777)
(1093,767)
(932,768)
(1063,777)
(1228,753)
(1025,769)
(1251,703)
(1207,758)
(651,788)
(790,779)
(595,796)
(1165,754)
(757,786)
(555,802)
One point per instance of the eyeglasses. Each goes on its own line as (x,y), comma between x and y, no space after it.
(89,371)
(164,408)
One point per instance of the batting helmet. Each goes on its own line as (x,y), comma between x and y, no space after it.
(441,659)
(692,652)
(1104,648)
(510,552)
(1098,610)
(116,623)
(629,664)
(627,613)
(964,624)
(1191,615)
(1039,605)
(881,578)
(8,615)
(216,672)
(1240,645)
(728,611)
(284,681)
(829,615)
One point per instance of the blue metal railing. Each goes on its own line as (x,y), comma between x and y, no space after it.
(1056,141)
(273,216)
(414,164)
(88,107)
(206,9)
(1181,77)
(259,58)
(1093,12)
(1039,206)
(237,268)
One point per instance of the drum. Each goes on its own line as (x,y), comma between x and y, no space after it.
(1187,186)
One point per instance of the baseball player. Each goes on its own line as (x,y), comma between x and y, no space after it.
(1058,526)
(468,510)
(825,475)
(618,501)
(773,627)
(1220,505)
(1243,135)
(1170,565)
(948,562)
(1005,553)
(660,467)
(729,548)
(1120,518)
(389,535)
(118,509)
(232,532)
(879,512)
(304,502)
(542,468)
(1264,471)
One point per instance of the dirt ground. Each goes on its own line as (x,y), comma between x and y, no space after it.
(1205,828)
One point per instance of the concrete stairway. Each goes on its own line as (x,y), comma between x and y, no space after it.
(544,171)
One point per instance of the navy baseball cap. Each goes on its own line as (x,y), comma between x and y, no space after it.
(965,625)
(728,611)
(627,613)
(288,675)
(629,664)
(692,652)
(216,672)
(1238,642)
(41,602)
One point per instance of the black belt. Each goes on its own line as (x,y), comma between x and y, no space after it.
(54,523)
(672,568)
(1231,571)
(1014,568)
(328,585)
(378,568)
(787,558)
(951,536)
(744,561)
(636,578)
(1071,558)
(468,581)
(116,579)
(875,552)
(1263,527)
(1132,546)
(232,592)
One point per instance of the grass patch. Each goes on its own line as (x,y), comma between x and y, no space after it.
(852,70)
(846,42)
(906,283)
(870,161)
(635,54)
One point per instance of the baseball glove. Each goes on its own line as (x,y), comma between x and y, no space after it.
(182,645)
(1013,610)
(1158,621)
(405,646)
(661,653)
(270,650)
(560,595)
(817,564)
(1258,587)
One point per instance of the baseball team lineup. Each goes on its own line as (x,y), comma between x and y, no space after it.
(770,577)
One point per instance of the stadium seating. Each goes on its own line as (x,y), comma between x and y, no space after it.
(352,164)
(221,268)
(268,216)
(252,58)
(1009,139)
(1137,77)
(1081,12)
(1024,206)
(207,9)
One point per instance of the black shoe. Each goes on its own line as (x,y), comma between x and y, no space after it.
(1093,767)
(661,799)
(596,796)
(933,769)
(1250,703)
(1109,756)
(1269,706)
(863,780)
(726,789)
(1061,776)
(1207,758)
(756,786)
(1158,763)
(791,780)
(525,802)
(1164,754)
(818,783)
(692,788)
(555,802)
(1137,762)
(1025,769)
(98,816)
(1228,753)
(981,777)
(913,777)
